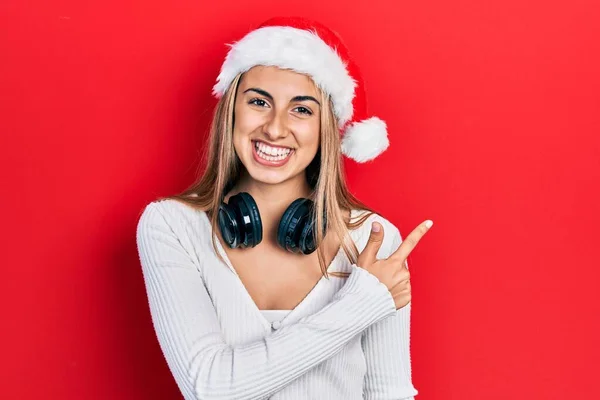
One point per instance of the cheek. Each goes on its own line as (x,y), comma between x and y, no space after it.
(309,136)
(246,120)
(241,128)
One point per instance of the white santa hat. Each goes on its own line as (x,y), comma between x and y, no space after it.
(310,48)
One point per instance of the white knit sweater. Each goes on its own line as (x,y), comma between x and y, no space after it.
(345,340)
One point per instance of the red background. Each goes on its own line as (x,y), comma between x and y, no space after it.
(493,111)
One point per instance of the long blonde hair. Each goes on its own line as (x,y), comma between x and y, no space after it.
(324,174)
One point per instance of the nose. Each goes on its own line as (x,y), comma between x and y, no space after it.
(276,126)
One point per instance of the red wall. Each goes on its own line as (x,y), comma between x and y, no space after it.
(493,109)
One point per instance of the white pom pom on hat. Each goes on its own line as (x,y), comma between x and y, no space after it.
(310,48)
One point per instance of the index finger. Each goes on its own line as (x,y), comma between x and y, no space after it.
(411,241)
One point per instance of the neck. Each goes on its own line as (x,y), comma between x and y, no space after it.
(272,199)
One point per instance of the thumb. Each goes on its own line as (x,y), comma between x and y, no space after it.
(369,254)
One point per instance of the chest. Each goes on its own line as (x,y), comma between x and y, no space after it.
(238,292)
(268,278)
(276,279)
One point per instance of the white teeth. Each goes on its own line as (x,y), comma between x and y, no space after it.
(271,153)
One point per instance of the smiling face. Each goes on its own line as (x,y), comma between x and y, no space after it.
(276,132)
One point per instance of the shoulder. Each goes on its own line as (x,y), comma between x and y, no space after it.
(169,213)
(365,227)
(360,234)
(169,225)
(170,209)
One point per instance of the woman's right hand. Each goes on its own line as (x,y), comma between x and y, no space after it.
(393,271)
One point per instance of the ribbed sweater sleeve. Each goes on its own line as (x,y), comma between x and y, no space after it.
(187,328)
(386,346)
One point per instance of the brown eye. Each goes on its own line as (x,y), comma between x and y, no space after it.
(304,110)
(258,102)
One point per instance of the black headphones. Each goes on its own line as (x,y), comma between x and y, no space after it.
(241,225)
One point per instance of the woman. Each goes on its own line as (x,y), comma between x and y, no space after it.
(254,278)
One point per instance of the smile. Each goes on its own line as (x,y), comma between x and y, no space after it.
(270,155)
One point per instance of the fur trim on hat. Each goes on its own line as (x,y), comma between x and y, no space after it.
(365,140)
(295,49)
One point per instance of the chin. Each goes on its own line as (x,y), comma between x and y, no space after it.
(271,178)
(270,175)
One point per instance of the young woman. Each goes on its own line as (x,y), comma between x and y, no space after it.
(267,278)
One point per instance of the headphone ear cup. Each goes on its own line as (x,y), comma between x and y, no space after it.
(248,219)
(306,243)
(293,224)
(230,229)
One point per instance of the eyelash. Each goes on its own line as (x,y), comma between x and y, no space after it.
(307,112)
(254,101)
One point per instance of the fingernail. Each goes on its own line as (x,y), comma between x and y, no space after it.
(376,227)
(428,223)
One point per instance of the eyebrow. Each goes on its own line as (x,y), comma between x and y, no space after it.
(268,95)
